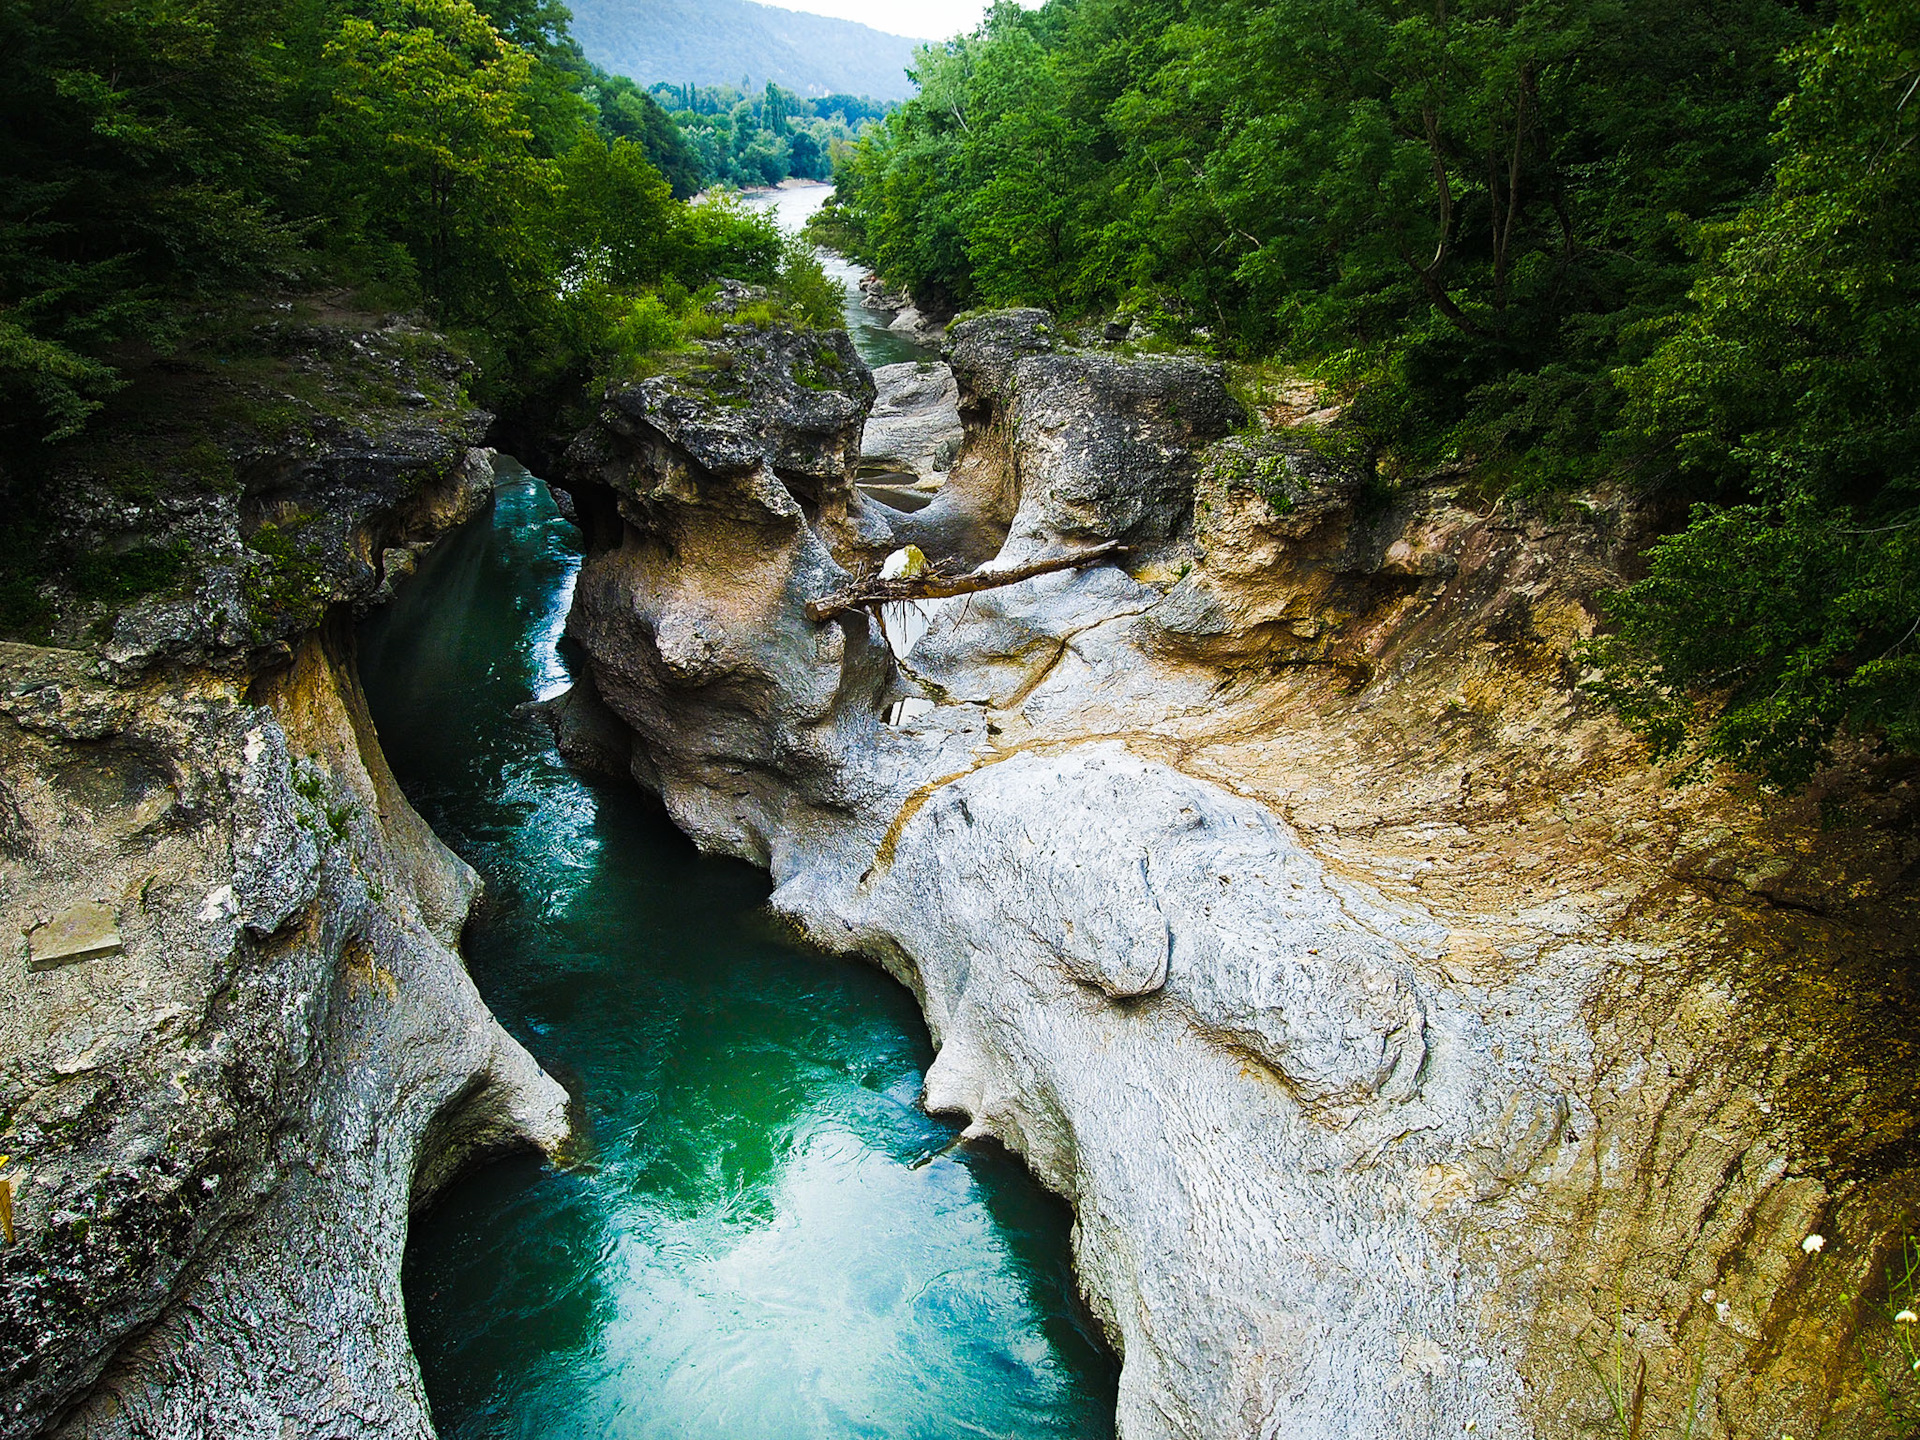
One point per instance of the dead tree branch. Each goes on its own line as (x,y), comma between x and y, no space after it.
(870,592)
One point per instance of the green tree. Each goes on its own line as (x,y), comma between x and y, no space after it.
(159,162)
(808,158)
(626,112)
(612,214)
(142,156)
(1788,610)
(1467,207)
(906,183)
(1025,152)
(433,112)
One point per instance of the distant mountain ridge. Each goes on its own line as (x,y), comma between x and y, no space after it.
(716,42)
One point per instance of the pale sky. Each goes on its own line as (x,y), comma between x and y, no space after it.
(923,19)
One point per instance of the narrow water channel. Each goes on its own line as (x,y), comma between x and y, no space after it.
(763,1237)
(877,344)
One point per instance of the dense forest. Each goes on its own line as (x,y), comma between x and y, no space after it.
(1668,243)
(762,138)
(459,158)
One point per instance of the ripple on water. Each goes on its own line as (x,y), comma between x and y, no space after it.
(753,1244)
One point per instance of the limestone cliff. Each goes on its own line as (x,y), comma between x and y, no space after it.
(1417,1061)
(238,1038)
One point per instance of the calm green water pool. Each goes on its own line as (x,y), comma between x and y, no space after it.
(764,1238)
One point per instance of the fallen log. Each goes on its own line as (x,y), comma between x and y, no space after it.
(870,592)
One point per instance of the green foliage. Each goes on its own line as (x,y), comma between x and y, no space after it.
(626,112)
(23,611)
(1514,234)
(446,155)
(837,227)
(743,244)
(1770,625)
(288,584)
(48,377)
(747,141)
(612,214)
(652,325)
(721,236)
(657,324)
(433,104)
(1477,197)
(806,156)
(1761,631)
(813,295)
(141,156)
(117,577)
(823,375)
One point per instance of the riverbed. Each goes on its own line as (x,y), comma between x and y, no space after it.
(758,1234)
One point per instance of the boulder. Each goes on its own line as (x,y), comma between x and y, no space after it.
(730,483)
(911,322)
(1088,447)
(914,428)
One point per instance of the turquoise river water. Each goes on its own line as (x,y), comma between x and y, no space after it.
(761,1236)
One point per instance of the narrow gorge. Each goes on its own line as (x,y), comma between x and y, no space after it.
(1202,724)
(1414,1058)
(755,1226)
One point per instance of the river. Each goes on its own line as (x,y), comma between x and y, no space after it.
(868,328)
(759,1234)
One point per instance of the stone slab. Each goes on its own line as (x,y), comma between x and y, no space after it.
(84,931)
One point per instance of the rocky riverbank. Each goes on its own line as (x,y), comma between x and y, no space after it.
(239,1040)
(1402,1039)
(1414,1056)
(907,317)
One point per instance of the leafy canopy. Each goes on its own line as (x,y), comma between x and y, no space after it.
(1788,609)
(459,156)
(1522,234)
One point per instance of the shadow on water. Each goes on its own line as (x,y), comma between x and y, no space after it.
(753,1245)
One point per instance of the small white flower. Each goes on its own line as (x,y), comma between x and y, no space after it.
(1725,1312)
(1906,1317)
(1709,1294)
(1814,1244)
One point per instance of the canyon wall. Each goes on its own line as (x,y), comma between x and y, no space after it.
(239,1040)
(1417,1060)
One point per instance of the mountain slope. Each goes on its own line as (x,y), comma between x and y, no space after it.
(717,42)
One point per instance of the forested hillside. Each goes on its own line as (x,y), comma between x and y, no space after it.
(168,172)
(736,42)
(1671,243)
(459,158)
(764,138)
